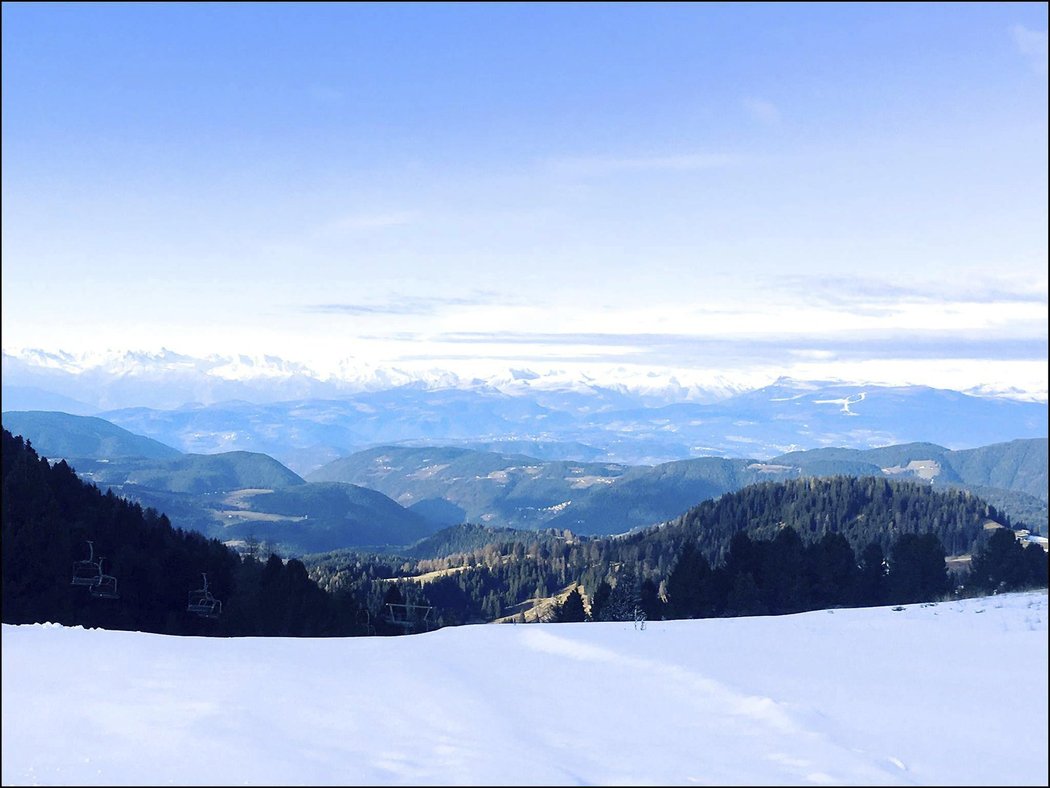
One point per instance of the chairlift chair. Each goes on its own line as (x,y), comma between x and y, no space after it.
(105,586)
(203,603)
(407,616)
(87,572)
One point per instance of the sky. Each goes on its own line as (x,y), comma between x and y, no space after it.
(948,694)
(855,191)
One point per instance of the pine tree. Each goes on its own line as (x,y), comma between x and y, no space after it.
(624,599)
(1005,565)
(832,571)
(917,569)
(872,588)
(745,598)
(651,605)
(686,584)
(600,600)
(571,610)
(1037,566)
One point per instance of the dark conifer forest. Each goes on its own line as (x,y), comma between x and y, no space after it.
(771,548)
(49,518)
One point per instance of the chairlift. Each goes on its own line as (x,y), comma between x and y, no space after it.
(407,616)
(105,586)
(639,617)
(87,572)
(364,620)
(203,603)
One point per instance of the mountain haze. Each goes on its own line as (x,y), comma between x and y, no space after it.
(629,430)
(604,498)
(1019,465)
(197,474)
(504,489)
(236,496)
(304,420)
(57,435)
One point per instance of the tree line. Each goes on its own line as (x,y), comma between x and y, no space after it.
(771,548)
(53,522)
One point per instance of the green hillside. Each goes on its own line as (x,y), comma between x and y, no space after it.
(449,485)
(461,539)
(511,490)
(320,516)
(57,435)
(645,496)
(820,541)
(195,474)
(1018,465)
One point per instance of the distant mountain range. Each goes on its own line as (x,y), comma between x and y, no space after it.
(233,496)
(87,384)
(395,495)
(283,409)
(788,416)
(457,485)
(66,435)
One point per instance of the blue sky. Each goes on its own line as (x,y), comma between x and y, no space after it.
(854,190)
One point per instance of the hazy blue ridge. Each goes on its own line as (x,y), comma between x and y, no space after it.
(62,435)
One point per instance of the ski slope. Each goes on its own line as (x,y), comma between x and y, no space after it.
(947,694)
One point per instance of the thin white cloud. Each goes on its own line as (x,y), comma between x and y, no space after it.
(972,288)
(690,348)
(812,354)
(406,305)
(763,111)
(1033,45)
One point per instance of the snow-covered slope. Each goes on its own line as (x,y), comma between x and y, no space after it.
(305,417)
(112,379)
(948,694)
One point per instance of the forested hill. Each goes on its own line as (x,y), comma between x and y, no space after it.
(49,517)
(194,474)
(455,485)
(1018,465)
(817,531)
(56,434)
(863,509)
(846,515)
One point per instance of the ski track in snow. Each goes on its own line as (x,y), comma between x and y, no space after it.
(954,693)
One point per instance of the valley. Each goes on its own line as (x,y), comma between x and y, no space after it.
(388,497)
